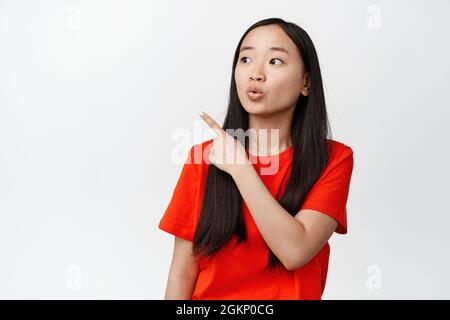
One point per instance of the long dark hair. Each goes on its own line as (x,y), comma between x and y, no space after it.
(221,215)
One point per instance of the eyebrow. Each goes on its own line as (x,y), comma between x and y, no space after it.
(271,48)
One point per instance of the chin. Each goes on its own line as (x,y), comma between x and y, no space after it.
(258,110)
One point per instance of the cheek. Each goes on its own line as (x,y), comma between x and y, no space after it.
(239,78)
(285,89)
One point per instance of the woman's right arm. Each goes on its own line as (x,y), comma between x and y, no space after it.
(183,271)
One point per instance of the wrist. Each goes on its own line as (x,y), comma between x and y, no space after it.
(240,169)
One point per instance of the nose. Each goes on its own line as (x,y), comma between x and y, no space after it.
(257,77)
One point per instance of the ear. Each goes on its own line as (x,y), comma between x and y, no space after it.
(306,88)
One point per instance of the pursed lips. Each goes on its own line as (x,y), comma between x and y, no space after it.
(254,95)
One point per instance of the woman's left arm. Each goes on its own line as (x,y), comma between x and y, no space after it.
(294,240)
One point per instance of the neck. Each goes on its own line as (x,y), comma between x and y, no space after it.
(270,135)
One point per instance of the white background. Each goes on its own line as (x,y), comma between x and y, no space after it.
(93,92)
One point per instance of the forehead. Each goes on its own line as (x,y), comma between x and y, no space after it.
(264,37)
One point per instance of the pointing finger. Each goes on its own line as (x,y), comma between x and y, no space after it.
(211,123)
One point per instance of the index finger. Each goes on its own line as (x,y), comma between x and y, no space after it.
(210,121)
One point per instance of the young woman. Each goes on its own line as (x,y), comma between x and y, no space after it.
(259,228)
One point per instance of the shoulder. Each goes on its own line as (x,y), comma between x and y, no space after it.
(199,152)
(339,150)
(195,166)
(204,145)
(339,153)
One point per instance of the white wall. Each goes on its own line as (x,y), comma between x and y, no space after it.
(92,91)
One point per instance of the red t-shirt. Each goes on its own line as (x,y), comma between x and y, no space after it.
(238,272)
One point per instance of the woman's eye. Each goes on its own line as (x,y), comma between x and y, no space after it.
(244,58)
(276,59)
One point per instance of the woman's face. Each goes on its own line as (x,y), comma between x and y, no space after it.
(278,74)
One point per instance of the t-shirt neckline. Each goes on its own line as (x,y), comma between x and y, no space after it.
(283,157)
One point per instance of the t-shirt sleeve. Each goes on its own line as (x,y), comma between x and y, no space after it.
(180,216)
(330,192)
